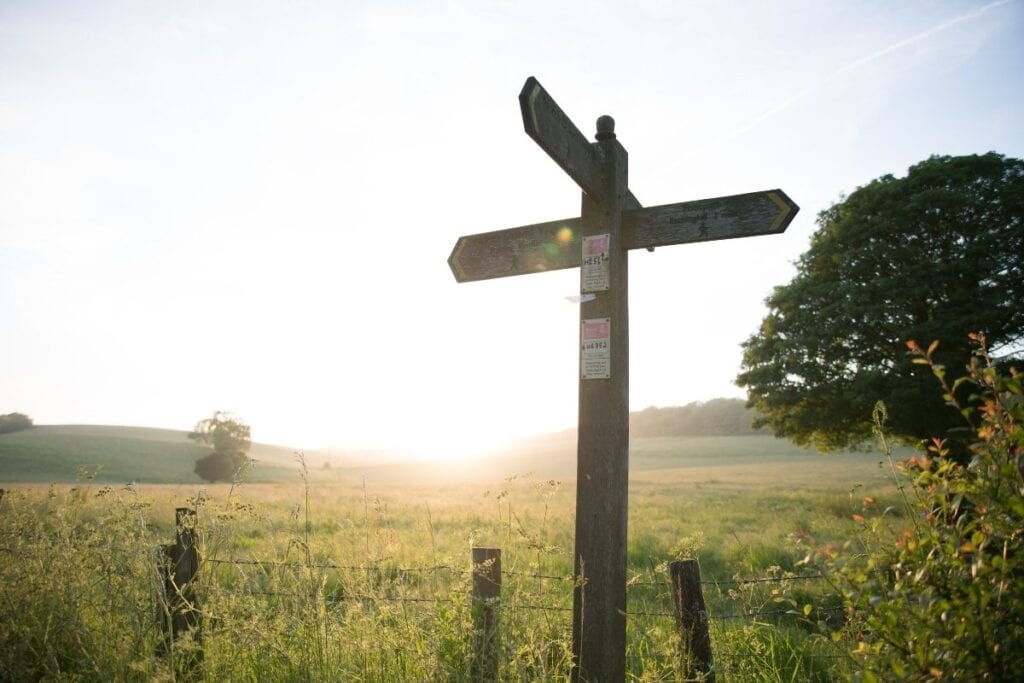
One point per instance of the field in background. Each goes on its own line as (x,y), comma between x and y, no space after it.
(118,455)
(361,572)
(59,453)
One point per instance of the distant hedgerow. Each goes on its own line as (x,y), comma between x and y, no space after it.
(13,422)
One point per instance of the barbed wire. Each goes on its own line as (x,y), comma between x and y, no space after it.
(540,608)
(802,655)
(335,597)
(348,567)
(525,575)
(763,579)
(771,613)
(734,582)
(515,605)
(517,574)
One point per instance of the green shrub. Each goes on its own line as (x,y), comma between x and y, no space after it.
(13,422)
(943,599)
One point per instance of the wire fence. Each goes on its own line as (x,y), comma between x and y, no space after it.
(664,591)
(397,571)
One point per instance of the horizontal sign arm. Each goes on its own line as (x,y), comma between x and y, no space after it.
(517,251)
(721,218)
(555,245)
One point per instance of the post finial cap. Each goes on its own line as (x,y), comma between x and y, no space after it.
(605,128)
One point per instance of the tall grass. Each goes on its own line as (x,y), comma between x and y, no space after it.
(312,582)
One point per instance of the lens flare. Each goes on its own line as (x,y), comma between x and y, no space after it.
(564,235)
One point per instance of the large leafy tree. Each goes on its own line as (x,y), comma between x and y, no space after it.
(935,255)
(229,437)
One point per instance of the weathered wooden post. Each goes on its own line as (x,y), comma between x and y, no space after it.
(179,611)
(602,451)
(485,602)
(612,221)
(691,620)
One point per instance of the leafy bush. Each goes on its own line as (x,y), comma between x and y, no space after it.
(230,439)
(13,422)
(944,598)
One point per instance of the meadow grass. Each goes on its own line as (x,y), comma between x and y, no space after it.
(347,580)
(117,455)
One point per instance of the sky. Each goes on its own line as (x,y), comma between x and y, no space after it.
(249,206)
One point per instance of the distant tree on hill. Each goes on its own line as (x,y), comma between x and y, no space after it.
(230,439)
(13,422)
(717,417)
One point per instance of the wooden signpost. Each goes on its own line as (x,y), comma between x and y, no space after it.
(612,222)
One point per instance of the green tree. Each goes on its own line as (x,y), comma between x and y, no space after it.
(936,594)
(230,439)
(13,422)
(934,255)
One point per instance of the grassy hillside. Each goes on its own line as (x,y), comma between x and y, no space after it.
(62,454)
(734,461)
(119,454)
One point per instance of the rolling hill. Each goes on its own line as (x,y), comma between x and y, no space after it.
(65,453)
(112,455)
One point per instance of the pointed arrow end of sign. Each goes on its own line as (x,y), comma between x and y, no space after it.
(453,261)
(531,89)
(787,210)
(528,87)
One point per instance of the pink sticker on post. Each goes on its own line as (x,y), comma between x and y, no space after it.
(594,274)
(596,349)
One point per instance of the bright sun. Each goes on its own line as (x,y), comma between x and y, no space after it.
(454,447)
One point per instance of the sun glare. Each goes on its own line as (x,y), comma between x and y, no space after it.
(455,448)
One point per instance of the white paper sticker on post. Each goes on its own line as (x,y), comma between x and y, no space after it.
(596,349)
(594,271)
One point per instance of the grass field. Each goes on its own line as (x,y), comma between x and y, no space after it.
(60,453)
(361,573)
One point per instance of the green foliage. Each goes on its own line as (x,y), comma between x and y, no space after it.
(230,439)
(13,422)
(75,586)
(221,466)
(942,599)
(934,255)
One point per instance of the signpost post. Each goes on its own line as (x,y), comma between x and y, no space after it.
(612,222)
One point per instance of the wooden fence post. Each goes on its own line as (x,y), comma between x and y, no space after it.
(485,602)
(692,620)
(179,613)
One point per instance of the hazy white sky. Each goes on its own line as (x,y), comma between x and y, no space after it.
(248,206)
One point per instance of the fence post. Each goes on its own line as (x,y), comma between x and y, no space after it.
(485,602)
(691,620)
(179,613)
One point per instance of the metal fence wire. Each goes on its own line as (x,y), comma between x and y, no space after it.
(391,571)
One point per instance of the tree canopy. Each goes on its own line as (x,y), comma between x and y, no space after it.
(230,439)
(933,256)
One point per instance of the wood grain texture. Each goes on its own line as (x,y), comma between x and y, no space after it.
(547,124)
(517,251)
(740,215)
